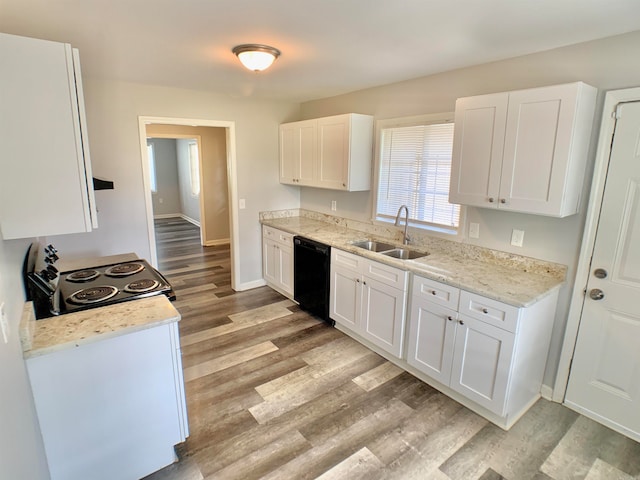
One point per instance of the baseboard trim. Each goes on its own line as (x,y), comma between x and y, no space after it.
(547,392)
(251,285)
(190,220)
(214,243)
(167,215)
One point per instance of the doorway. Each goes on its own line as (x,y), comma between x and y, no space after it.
(599,370)
(214,190)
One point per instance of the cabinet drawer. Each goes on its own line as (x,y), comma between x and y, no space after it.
(347,260)
(436,292)
(489,311)
(394,277)
(276,235)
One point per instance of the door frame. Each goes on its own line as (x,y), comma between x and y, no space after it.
(603,154)
(234,232)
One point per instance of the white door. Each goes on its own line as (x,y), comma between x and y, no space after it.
(604,383)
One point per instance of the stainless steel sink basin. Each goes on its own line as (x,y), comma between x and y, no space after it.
(404,254)
(373,246)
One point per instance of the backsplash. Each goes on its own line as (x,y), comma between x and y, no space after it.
(426,241)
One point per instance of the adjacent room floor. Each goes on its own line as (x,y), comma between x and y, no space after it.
(274,393)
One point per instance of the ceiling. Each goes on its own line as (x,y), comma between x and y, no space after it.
(328,47)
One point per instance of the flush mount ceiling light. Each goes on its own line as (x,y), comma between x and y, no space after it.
(256,57)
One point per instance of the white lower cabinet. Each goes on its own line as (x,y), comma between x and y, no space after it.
(369,299)
(111,409)
(277,258)
(491,353)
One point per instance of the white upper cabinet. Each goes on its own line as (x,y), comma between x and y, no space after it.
(46,183)
(523,151)
(331,152)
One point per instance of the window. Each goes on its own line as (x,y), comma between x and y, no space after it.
(152,167)
(194,169)
(414,167)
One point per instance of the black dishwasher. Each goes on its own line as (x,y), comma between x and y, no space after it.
(311,265)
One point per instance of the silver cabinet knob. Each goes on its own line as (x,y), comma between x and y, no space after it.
(460,322)
(491,200)
(485,311)
(433,292)
(450,318)
(600,273)
(596,294)
(503,200)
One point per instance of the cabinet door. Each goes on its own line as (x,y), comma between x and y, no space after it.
(298,152)
(41,140)
(333,152)
(482,363)
(270,260)
(345,296)
(383,313)
(478,142)
(285,269)
(431,339)
(537,148)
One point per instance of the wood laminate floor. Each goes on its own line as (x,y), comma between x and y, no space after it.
(274,393)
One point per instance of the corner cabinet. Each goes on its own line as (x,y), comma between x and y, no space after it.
(46,186)
(330,152)
(490,353)
(277,258)
(369,299)
(523,151)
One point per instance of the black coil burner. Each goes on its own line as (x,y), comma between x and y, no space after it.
(142,285)
(96,294)
(124,269)
(82,276)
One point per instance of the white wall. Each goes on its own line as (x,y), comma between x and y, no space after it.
(189,203)
(605,64)
(21,450)
(113,109)
(166,199)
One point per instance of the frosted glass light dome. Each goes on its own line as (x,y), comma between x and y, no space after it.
(256,57)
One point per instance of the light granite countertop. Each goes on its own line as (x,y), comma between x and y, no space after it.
(40,337)
(512,279)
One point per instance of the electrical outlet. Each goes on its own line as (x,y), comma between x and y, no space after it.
(474,230)
(517,238)
(334,205)
(4,324)
(242,204)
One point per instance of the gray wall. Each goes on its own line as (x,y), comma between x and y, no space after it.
(605,64)
(166,200)
(189,204)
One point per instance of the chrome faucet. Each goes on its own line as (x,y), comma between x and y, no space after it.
(405,237)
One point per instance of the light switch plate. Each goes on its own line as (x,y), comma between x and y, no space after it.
(242,204)
(474,230)
(333,205)
(517,237)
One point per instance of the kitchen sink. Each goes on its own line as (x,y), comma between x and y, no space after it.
(404,254)
(374,246)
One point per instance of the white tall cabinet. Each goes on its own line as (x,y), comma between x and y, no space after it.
(330,152)
(46,183)
(523,151)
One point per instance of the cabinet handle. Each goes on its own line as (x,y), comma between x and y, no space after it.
(358,280)
(460,322)
(364,283)
(485,311)
(450,318)
(344,185)
(433,292)
(503,200)
(491,199)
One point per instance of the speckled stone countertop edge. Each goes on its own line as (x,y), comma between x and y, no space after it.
(45,336)
(509,278)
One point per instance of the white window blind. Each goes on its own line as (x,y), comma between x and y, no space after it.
(194,169)
(414,170)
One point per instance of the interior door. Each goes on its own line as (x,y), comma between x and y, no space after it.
(604,383)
